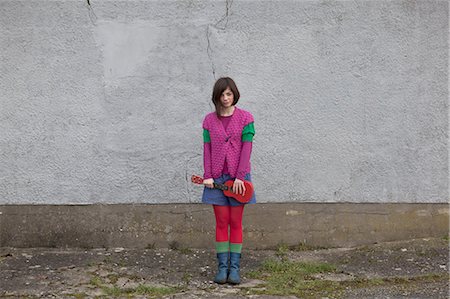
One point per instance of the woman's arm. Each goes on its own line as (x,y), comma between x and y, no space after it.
(207,160)
(206,155)
(247,143)
(244,159)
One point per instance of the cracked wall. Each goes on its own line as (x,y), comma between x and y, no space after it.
(104,104)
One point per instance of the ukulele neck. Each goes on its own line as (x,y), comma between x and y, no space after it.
(220,186)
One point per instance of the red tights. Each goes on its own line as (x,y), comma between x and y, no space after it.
(228,216)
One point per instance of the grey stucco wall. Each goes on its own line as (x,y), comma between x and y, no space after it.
(105,104)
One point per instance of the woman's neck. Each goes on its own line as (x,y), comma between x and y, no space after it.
(227,111)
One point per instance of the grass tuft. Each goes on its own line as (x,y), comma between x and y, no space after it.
(294,278)
(174,245)
(141,289)
(150,246)
(284,278)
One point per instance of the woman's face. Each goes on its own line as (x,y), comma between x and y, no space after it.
(227,98)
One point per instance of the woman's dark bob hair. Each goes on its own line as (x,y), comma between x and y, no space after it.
(219,88)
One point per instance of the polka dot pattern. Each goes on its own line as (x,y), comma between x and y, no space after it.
(226,143)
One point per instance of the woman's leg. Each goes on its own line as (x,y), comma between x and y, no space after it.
(222,214)
(236,228)
(235,243)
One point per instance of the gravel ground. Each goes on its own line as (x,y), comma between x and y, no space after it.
(82,273)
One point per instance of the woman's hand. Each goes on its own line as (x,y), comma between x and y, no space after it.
(209,183)
(239,187)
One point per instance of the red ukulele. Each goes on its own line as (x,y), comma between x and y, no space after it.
(227,188)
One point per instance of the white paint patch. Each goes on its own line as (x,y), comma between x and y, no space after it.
(294,213)
(423,213)
(125,46)
(443,211)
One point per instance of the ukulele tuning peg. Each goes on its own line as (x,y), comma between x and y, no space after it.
(197,179)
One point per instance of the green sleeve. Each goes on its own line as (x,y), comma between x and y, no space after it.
(248,132)
(206,137)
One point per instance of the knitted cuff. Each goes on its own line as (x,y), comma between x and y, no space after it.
(236,247)
(240,175)
(222,246)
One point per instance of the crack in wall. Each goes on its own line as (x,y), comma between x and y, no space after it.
(225,16)
(91,13)
(228,4)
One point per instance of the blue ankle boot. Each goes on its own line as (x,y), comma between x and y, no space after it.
(222,258)
(234,277)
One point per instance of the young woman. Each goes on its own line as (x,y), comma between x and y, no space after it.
(227,134)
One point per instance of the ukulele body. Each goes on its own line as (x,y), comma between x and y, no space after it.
(226,188)
(239,197)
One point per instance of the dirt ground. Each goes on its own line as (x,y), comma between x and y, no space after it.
(405,269)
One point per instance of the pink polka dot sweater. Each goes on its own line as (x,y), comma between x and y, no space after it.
(227,146)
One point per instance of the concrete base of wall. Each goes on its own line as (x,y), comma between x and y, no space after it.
(193,225)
